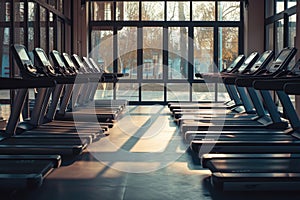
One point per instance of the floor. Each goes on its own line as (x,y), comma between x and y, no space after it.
(143,158)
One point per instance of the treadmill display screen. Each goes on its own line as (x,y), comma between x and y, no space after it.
(234,63)
(250,58)
(282,56)
(58,59)
(79,61)
(69,61)
(43,58)
(23,55)
(263,58)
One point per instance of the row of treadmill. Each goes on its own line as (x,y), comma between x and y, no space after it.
(248,143)
(62,119)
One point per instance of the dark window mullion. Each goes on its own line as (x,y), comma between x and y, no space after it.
(165,60)
(115,57)
(286,31)
(140,60)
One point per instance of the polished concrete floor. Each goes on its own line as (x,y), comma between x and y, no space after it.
(143,158)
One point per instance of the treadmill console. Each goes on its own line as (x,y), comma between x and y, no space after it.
(248,62)
(79,64)
(282,60)
(100,69)
(44,62)
(90,67)
(59,63)
(261,63)
(294,70)
(235,64)
(69,63)
(24,62)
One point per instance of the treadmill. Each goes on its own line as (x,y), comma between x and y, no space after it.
(286,142)
(81,112)
(11,144)
(278,65)
(41,122)
(104,114)
(66,100)
(245,69)
(25,171)
(110,78)
(177,106)
(258,67)
(239,95)
(265,172)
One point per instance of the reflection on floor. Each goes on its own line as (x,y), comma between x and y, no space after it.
(144,157)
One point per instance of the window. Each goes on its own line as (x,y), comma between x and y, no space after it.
(162,44)
(42,26)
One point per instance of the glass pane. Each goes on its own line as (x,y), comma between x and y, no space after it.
(178,92)
(269,8)
(31,38)
(52,3)
(19,35)
(127,50)
(104,91)
(228,46)
(291,3)
(59,33)
(178,11)
(19,11)
(178,53)
(228,11)
(4,16)
(204,49)
(153,10)
(43,29)
(279,6)
(279,36)
(51,38)
(204,11)
(51,17)
(292,30)
(152,52)
(60,5)
(32,20)
(32,11)
(102,51)
(4,52)
(152,92)
(128,91)
(270,36)
(5,109)
(222,93)
(102,11)
(128,10)
(203,92)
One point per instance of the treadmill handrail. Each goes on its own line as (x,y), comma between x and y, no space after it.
(292,88)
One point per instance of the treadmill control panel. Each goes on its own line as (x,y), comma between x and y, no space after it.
(43,62)
(248,62)
(60,65)
(262,62)
(282,60)
(78,62)
(69,63)
(235,64)
(24,62)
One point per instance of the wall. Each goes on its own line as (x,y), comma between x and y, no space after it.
(254,27)
(80,25)
(297,45)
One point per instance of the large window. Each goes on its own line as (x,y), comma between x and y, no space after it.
(162,44)
(280,20)
(38,23)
